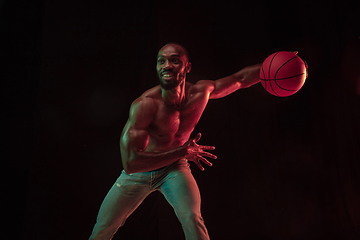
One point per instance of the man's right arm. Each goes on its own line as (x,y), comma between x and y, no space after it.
(135,139)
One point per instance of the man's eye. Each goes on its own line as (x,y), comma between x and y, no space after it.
(176,60)
(161,61)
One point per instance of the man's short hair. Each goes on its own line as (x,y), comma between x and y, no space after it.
(175,43)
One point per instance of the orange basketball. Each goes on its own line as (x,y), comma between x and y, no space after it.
(283,73)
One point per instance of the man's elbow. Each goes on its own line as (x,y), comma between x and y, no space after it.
(127,171)
(130,167)
(128,161)
(127,167)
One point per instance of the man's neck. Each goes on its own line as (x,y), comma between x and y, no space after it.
(174,97)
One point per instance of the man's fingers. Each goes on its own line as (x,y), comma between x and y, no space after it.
(198,154)
(205,161)
(196,159)
(197,138)
(199,165)
(206,147)
(206,154)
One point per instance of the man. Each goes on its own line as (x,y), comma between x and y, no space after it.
(155,144)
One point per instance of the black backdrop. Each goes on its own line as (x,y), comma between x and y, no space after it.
(287,168)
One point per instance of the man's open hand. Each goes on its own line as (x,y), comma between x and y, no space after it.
(196,153)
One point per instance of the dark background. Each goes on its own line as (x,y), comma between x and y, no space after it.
(287,168)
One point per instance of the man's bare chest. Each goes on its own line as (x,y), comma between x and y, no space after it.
(169,121)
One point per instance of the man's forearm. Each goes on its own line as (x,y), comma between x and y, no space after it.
(149,161)
(244,78)
(249,75)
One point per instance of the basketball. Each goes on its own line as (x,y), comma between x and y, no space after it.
(283,73)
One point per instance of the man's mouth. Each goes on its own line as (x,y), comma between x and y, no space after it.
(167,75)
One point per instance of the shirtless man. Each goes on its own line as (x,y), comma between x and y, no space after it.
(155,144)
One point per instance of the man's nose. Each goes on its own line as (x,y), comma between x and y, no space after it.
(168,65)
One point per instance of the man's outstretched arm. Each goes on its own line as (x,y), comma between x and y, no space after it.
(222,87)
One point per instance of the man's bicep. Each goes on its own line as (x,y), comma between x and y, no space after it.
(135,136)
(221,87)
(142,113)
(134,140)
(205,86)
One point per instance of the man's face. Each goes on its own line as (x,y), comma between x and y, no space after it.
(172,66)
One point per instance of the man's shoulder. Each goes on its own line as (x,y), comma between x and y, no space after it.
(201,86)
(148,98)
(152,93)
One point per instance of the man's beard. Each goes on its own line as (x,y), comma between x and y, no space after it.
(168,85)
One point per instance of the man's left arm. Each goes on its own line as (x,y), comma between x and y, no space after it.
(244,78)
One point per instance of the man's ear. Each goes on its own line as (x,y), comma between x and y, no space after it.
(188,67)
